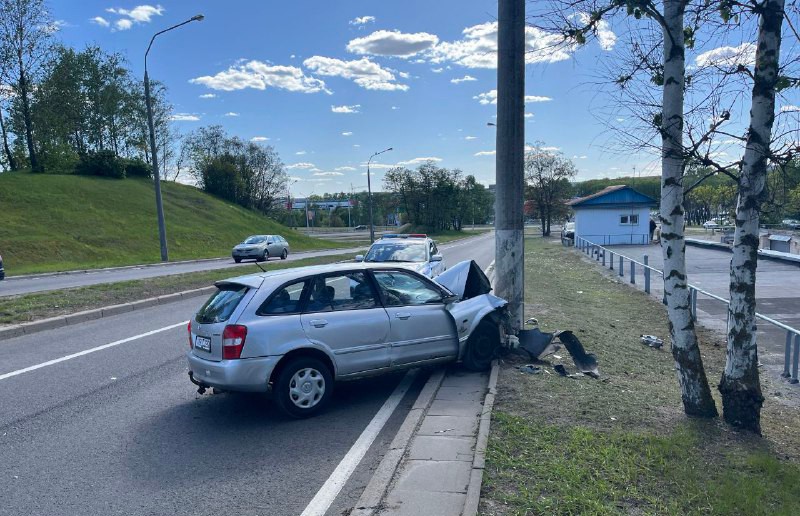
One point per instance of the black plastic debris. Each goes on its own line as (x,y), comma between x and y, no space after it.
(585,362)
(652,341)
(530,369)
(560,369)
(537,343)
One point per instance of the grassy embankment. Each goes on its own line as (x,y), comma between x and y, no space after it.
(62,222)
(621,444)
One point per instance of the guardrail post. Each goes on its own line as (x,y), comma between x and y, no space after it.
(604,257)
(796,359)
(621,266)
(787,355)
(611,259)
(646,273)
(597,253)
(633,272)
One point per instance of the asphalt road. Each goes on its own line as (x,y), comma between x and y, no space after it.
(122,431)
(39,283)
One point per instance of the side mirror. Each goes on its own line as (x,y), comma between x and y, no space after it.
(359,257)
(437,258)
(450,299)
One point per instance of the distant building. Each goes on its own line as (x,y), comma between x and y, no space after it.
(613,216)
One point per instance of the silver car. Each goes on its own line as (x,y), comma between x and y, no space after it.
(261,248)
(296,331)
(415,251)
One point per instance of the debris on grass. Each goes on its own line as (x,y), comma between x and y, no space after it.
(530,369)
(652,341)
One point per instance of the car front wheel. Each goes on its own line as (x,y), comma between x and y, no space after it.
(303,388)
(481,347)
(264,257)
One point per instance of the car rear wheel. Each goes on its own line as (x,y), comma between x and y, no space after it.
(481,347)
(284,254)
(303,388)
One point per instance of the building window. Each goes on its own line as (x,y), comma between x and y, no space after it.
(629,220)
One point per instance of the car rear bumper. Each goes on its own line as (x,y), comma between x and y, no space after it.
(246,374)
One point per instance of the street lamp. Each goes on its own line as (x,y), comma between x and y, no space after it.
(369,196)
(162,229)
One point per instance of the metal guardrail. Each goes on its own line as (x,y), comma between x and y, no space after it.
(598,252)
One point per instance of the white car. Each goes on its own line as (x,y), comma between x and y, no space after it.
(710,224)
(415,251)
(791,223)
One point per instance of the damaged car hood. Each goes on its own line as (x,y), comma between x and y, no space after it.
(465,279)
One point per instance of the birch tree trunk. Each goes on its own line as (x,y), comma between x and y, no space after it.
(12,163)
(695,392)
(740,385)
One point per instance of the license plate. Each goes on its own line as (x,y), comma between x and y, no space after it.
(203,343)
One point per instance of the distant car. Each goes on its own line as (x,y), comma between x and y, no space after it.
(300,330)
(568,231)
(415,251)
(261,248)
(791,223)
(360,227)
(710,224)
(2,270)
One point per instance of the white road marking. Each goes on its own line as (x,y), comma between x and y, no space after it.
(322,501)
(88,351)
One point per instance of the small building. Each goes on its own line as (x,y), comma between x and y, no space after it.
(613,216)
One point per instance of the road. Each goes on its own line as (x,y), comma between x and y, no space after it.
(26,284)
(120,430)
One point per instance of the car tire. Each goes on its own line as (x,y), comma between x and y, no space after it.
(308,398)
(237,260)
(264,257)
(482,347)
(284,254)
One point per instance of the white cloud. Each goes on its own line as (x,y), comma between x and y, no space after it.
(550,149)
(392,43)
(579,157)
(231,113)
(789,109)
(437,70)
(485,153)
(184,117)
(466,78)
(395,108)
(356,145)
(478,47)
(207,96)
(99,20)
(347,169)
(140,14)
(470,137)
(346,109)
(347,133)
(419,161)
(362,20)
(605,36)
(259,139)
(315,169)
(123,24)
(302,165)
(490,97)
(528,115)
(744,54)
(377,166)
(327,174)
(365,73)
(300,153)
(258,75)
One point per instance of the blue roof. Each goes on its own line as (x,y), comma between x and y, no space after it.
(613,196)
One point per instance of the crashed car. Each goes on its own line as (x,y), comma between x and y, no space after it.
(297,331)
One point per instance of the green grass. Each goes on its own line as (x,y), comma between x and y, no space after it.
(621,444)
(62,222)
(30,307)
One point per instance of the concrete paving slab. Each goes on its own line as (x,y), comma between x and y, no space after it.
(445,476)
(461,394)
(439,447)
(449,426)
(466,381)
(455,408)
(411,503)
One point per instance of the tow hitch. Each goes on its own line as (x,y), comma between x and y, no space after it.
(201,388)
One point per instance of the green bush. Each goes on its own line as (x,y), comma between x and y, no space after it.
(101,163)
(137,167)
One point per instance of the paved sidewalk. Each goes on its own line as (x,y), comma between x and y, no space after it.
(435,474)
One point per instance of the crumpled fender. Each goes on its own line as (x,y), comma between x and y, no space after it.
(468,314)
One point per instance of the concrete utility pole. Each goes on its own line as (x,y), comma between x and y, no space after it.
(509,229)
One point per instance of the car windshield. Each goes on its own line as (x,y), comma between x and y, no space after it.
(396,252)
(254,240)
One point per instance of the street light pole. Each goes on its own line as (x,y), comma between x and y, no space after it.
(162,228)
(369,196)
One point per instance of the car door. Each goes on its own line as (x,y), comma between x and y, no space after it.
(421,327)
(343,315)
(272,246)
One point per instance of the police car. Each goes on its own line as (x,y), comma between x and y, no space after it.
(415,251)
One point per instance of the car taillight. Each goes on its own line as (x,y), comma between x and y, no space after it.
(233,341)
(189,327)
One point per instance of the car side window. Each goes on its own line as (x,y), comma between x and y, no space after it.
(403,289)
(434,249)
(351,291)
(285,300)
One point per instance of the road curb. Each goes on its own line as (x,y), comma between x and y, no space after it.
(479,461)
(50,323)
(372,497)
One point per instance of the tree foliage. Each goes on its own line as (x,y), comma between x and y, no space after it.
(548,174)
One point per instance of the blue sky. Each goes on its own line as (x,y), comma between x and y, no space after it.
(329,83)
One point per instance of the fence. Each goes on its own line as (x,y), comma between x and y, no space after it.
(608,256)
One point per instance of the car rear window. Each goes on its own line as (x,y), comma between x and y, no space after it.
(221,305)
